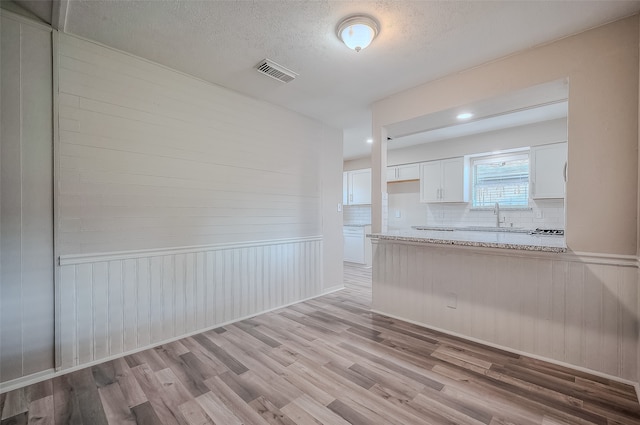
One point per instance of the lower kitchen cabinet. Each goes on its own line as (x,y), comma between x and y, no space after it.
(357,247)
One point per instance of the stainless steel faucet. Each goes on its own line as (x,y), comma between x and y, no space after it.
(496,211)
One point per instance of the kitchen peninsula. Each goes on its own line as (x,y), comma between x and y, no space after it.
(503,238)
(523,293)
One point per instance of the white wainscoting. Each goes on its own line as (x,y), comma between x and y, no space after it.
(114,303)
(574,308)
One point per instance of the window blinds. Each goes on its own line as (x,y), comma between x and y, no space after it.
(502,179)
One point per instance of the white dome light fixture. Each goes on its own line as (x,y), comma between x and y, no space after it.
(357,31)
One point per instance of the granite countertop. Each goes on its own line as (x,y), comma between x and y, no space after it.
(357,225)
(484,239)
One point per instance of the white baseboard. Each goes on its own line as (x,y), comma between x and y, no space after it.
(332,289)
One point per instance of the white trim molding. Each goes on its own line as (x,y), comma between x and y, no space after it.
(65,260)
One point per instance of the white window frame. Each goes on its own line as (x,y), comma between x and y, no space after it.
(488,159)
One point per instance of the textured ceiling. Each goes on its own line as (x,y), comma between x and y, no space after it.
(221,42)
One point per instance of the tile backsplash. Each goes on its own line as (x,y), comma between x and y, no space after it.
(356,214)
(405,210)
(543,213)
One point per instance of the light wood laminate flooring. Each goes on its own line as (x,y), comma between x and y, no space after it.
(325,361)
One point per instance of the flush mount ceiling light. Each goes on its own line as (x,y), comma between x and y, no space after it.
(464,116)
(357,32)
(369,140)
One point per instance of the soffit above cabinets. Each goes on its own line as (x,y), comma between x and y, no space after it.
(535,104)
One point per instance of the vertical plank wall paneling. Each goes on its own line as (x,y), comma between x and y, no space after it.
(110,306)
(576,310)
(26,181)
(183,205)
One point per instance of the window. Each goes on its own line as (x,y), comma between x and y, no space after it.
(500,178)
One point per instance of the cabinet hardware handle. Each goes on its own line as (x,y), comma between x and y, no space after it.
(351,198)
(564,171)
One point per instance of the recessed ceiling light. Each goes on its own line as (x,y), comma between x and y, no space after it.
(369,141)
(357,32)
(464,116)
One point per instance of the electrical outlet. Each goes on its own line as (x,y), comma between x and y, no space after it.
(398,214)
(538,213)
(339,207)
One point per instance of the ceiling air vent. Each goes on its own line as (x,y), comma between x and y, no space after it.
(273,70)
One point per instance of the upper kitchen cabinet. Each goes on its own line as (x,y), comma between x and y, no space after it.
(443,181)
(356,187)
(548,171)
(401,173)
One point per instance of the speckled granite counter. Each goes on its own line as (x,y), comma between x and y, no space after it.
(505,240)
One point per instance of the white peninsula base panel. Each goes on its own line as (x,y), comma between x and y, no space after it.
(580,310)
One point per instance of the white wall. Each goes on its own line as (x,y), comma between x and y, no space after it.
(26,181)
(183,192)
(602,68)
(153,158)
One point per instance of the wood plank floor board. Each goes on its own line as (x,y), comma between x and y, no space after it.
(115,406)
(145,414)
(234,365)
(572,391)
(318,411)
(16,403)
(194,414)
(65,402)
(154,391)
(254,331)
(240,406)
(298,415)
(40,411)
(329,360)
(205,356)
(270,412)
(19,419)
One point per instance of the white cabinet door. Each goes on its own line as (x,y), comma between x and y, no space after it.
(430,180)
(408,172)
(357,248)
(452,180)
(401,173)
(356,187)
(392,174)
(442,181)
(360,187)
(548,171)
(353,249)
